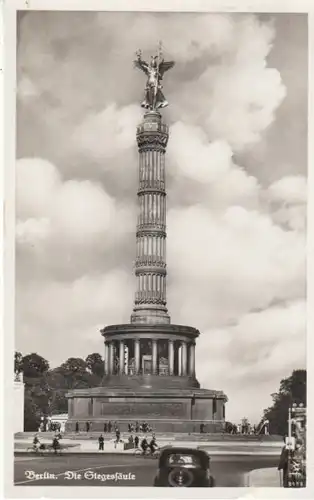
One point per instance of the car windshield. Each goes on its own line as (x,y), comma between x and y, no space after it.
(184,459)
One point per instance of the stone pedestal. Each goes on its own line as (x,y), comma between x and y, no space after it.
(172,409)
(168,401)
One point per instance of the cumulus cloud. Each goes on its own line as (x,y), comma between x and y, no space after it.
(261,348)
(73,226)
(72,313)
(222,266)
(289,190)
(288,197)
(236,246)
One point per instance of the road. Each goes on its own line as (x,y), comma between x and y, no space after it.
(123,470)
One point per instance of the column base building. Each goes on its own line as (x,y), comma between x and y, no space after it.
(149,363)
(152,380)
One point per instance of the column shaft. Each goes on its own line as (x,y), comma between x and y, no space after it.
(176,359)
(121,357)
(171,356)
(184,359)
(137,355)
(150,303)
(154,356)
(192,360)
(106,364)
(111,355)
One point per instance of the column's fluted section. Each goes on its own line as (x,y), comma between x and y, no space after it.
(150,264)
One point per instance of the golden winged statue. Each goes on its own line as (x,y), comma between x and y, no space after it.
(154,70)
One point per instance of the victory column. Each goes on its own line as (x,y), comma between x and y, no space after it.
(150,363)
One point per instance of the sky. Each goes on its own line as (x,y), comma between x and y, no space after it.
(236,180)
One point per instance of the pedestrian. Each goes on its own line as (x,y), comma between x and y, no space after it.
(153,445)
(137,427)
(105,427)
(136,441)
(55,444)
(101,443)
(201,428)
(129,427)
(76,427)
(118,435)
(36,442)
(283,464)
(87,426)
(109,426)
(144,445)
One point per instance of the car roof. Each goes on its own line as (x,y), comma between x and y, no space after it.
(170,450)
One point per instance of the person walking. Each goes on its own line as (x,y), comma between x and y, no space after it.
(144,445)
(101,441)
(283,464)
(55,444)
(36,443)
(105,427)
(153,445)
(87,426)
(136,441)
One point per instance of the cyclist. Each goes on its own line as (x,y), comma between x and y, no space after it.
(153,445)
(36,443)
(144,445)
(55,444)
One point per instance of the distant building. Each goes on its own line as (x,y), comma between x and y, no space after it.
(18,403)
(61,419)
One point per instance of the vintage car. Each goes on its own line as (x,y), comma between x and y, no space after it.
(184,467)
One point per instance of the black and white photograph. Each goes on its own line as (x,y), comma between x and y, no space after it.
(160,226)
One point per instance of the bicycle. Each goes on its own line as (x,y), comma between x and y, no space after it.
(53,450)
(36,450)
(147,453)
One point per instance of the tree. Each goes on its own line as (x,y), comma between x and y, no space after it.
(74,367)
(95,364)
(45,389)
(295,386)
(18,362)
(291,390)
(75,374)
(34,365)
(31,413)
